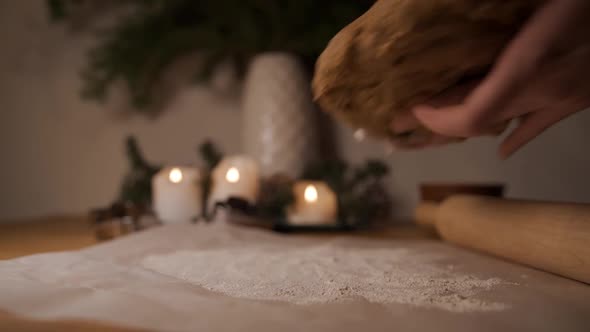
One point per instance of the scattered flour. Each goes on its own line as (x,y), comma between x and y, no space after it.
(323,274)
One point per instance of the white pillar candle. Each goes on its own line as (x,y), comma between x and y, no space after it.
(315,204)
(177,194)
(235,176)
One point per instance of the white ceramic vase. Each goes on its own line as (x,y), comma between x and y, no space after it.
(280,120)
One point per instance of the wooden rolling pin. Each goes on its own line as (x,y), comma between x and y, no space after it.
(554,237)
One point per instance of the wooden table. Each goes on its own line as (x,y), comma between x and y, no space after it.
(27,237)
(52,234)
(11,323)
(39,235)
(541,301)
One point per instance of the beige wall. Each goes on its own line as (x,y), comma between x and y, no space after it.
(62,155)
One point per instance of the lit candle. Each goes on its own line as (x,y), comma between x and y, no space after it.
(235,176)
(315,204)
(177,194)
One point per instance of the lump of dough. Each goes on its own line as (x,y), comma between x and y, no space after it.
(404,52)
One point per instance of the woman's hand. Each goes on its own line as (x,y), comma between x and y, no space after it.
(542,77)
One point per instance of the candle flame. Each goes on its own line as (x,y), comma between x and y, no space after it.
(232,175)
(175,175)
(310,194)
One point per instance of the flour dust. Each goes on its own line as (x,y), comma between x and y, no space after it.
(325,274)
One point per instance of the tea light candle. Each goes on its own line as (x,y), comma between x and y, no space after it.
(235,176)
(315,204)
(177,194)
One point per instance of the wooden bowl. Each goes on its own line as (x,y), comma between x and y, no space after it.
(438,192)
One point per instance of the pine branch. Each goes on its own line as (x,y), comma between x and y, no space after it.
(211,156)
(137,183)
(141,46)
(57,9)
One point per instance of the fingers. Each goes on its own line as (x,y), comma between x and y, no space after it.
(454,121)
(405,123)
(523,55)
(409,136)
(531,126)
(421,141)
(490,106)
(486,106)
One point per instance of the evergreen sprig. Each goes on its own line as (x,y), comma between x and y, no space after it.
(143,44)
(362,197)
(211,156)
(137,183)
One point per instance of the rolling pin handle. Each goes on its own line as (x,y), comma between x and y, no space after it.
(425,213)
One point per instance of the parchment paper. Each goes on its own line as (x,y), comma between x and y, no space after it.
(106,282)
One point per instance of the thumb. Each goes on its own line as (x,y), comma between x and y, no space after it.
(453,121)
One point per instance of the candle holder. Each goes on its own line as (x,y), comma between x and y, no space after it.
(330,195)
(282,226)
(243,213)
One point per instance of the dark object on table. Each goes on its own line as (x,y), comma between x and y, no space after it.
(438,192)
(241,212)
(240,205)
(120,219)
(235,205)
(284,227)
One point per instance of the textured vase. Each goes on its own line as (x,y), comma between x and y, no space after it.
(280,120)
